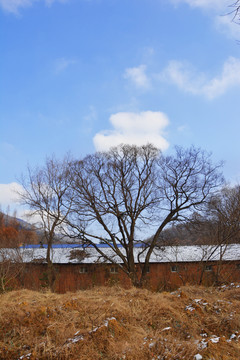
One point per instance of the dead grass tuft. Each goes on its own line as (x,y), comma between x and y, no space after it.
(115,323)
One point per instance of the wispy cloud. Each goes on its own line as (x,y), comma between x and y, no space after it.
(219,10)
(137,75)
(7,148)
(62,64)
(134,128)
(227,26)
(50,2)
(187,79)
(182,128)
(205,4)
(13,6)
(183,75)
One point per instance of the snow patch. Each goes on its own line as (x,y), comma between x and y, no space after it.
(198,357)
(166,328)
(25,356)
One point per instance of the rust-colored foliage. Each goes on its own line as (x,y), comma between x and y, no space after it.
(12,234)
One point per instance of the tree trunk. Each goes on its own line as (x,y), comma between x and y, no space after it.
(50,266)
(51,276)
(142,278)
(201,276)
(134,278)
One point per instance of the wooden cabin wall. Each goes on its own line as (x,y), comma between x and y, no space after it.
(161,276)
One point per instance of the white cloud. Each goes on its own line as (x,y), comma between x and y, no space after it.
(13,6)
(10,202)
(186,78)
(8,196)
(62,63)
(134,129)
(138,76)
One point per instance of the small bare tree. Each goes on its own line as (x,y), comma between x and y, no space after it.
(45,193)
(115,194)
(11,267)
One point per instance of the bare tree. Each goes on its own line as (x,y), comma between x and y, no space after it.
(11,267)
(118,193)
(219,225)
(45,193)
(224,215)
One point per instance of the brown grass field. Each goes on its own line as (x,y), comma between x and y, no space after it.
(114,323)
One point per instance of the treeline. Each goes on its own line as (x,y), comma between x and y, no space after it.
(218,223)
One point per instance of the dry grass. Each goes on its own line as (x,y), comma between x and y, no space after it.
(113,323)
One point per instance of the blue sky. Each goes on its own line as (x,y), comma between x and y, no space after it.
(84,75)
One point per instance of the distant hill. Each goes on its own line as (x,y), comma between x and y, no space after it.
(8,220)
(15,232)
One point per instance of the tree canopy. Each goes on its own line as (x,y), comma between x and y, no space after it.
(115,197)
(117,194)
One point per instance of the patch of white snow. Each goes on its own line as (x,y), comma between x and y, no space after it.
(198,357)
(214,339)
